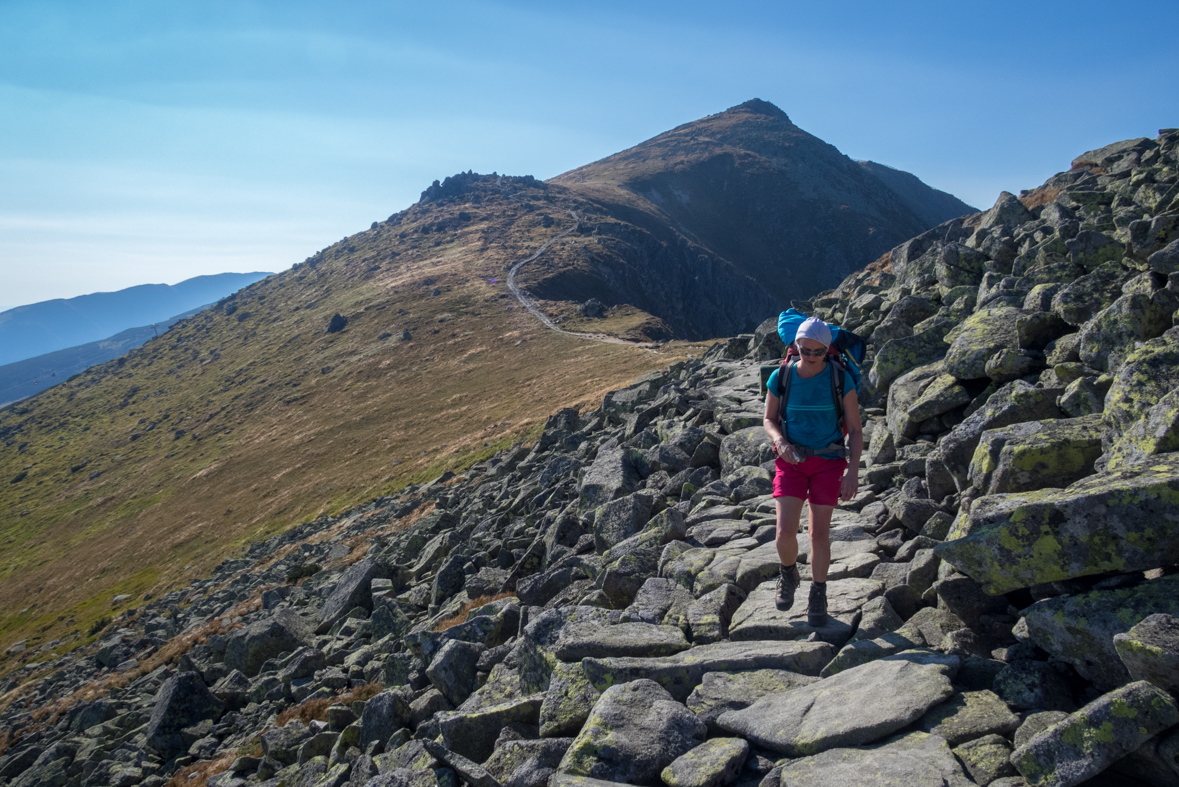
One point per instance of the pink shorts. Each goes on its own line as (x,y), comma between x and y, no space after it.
(815,478)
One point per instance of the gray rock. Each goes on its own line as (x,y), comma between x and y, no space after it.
(383,715)
(978,338)
(720,692)
(970,715)
(749,446)
(353,589)
(1113,333)
(1096,736)
(759,619)
(620,519)
(1036,454)
(714,763)
(471,773)
(567,702)
(281,744)
(181,702)
(889,694)
(681,673)
(1150,651)
(914,760)
(622,639)
(527,763)
(452,671)
(1090,648)
(304,664)
(473,734)
(1035,723)
(1078,301)
(1026,685)
(634,731)
(709,616)
(986,759)
(249,648)
(1015,541)
(659,600)
(615,472)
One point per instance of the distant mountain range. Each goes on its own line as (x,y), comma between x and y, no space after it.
(40,328)
(21,379)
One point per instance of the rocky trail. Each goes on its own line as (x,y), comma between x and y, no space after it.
(598,607)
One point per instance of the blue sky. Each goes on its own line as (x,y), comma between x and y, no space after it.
(147,142)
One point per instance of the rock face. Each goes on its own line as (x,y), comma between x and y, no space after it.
(597,607)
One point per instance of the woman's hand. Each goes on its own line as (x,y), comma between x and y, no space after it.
(784,451)
(850,485)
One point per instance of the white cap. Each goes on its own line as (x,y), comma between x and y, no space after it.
(814,328)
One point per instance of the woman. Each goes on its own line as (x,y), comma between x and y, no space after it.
(809,444)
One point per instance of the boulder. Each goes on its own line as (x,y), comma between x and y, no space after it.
(452,670)
(623,639)
(969,715)
(681,673)
(353,589)
(527,763)
(898,356)
(634,731)
(913,760)
(1025,685)
(620,519)
(749,446)
(1083,396)
(659,600)
(1106,522)
(714,763)
(383,715)
(759,619)
(986,759)
(473,733)
(181,702)
(1076,303)
(281,744)
(978,338)
(1113,333)
(710,615)
(1150,651)
(1146,376)
(1036,454)
(567,702)
(1155,433)
(888,694)
(1080,629)
(1166,259)
(247,649)
(615,472)
(904,393)
(1096,736)
(720,692)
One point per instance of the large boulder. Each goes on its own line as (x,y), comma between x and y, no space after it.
(1096,736)
(615,472)
(473,733)
(1076,303)
(1150,651)
(897,356)
(383,715)
(749,446)
(1014,403)
(1113,333)
(283,631)
(1036,454)
(1081,629)
(913,760)
(1155,433)
(888,694)
(1120,521)
(721,692)
(353,589)
(182,702)
(620,519)
(623,639)
(979,337)
(1146,376)
(714,763)
(634,731)
(905,392)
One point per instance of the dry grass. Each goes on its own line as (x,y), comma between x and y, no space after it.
(199,773)
(475,603)
(316,709)
(1039,196)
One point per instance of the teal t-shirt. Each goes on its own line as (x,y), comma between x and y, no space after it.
(811,418)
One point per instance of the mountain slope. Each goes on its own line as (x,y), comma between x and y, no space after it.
(931,205)
(25,378)
(783,207)
(39,328)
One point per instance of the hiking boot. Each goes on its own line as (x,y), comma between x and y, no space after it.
(816,608)
(788,582)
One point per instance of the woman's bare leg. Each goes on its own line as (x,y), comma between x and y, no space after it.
(789,512)
(820,531)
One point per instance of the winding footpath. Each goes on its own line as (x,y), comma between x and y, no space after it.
(531,306)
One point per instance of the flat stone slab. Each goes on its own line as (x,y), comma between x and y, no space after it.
(970,715)
(759,619)
(683,672)
(714,763)
(916,760)
(1150,651)
(473,735)
(720,692)
(883,697)
(621,639)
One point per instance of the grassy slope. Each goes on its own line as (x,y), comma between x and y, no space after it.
(282,421)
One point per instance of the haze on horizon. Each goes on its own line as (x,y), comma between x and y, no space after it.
(149,143)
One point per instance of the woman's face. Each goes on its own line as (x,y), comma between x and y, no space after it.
(818,350)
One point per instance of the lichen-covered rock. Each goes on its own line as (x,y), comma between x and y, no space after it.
(1083,396)
(181,702)
(1112,333)
(1027,684)
(659,600)
(1156,433)
(383,715)
(620,519)
(941,395)
(1007,365)
(1150,651)
(1090,740)
(452,671)
(714,763)
(986,759)
(527,763)
(970,715)
(888,694)
(709,616)
(681,673)
(720,692)
(913,760)
(249,648)
(1147,375)
(1080,629)
(614,472)
(353,589)
(978,338)
(634,731)
(1014,403)
(905,391)
(1078,301)
(748,446)
(1106,522)
(622,639)
(758,618)
(898,356)
(567,702)
(473,734)
(1036,454)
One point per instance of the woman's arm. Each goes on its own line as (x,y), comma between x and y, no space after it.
(770,423)
(855,445)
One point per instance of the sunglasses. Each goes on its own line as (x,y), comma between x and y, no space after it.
(812,353)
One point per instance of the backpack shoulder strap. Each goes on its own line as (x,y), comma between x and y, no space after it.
(838,383)
(785,376)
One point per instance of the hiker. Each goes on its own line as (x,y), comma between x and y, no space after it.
(813,462)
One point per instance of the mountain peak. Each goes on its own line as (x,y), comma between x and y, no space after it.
(757,106)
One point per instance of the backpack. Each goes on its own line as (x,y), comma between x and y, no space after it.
(845,354)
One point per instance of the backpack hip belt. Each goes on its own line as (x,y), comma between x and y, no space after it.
(837,448)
